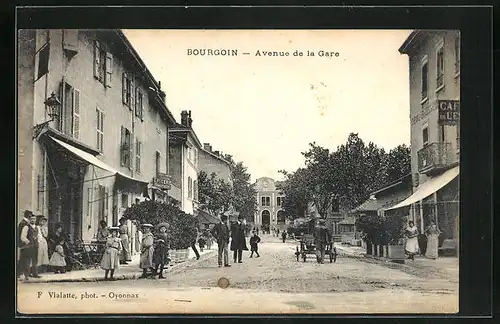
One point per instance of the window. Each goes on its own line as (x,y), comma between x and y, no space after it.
(125,148)
(278,201)
(457,54)
(90,198)
(266,201)
(139,107)
(195,189)
(425,135)
(127,89)
(425,81)
(124,200)
(190,187)
(103,64)
(138,155)
(100,130)
(42,61)
(440,67)
(69,113)
(102,203)
(158,161)
(70,41)
(137,201)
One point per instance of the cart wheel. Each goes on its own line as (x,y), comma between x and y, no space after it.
(304,257)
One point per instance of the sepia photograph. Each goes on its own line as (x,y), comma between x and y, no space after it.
(258,171)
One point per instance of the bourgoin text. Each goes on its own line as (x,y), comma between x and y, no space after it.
(235,52)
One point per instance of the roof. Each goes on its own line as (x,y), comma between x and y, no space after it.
(404,48)
(216,156)
(349,220)
(368,205)
(392,184)
(179,128)
(206,218)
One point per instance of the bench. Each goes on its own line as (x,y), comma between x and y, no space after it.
(448,248)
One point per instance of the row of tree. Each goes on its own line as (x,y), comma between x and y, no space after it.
(342,179)
(217,196)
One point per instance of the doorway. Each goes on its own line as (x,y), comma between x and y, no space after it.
(266,219)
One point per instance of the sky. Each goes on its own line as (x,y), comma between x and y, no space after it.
(265,110)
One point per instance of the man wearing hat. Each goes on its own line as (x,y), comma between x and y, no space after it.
(147,251)
(322,236)
(221,234)
(238,241)
(28,243)
(20,244)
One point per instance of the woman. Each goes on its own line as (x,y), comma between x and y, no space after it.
(124,236)
(110,259)
(161,249)
(102,236)
(432,233)
(147,250)
(411,240)
(43,249)
(54,239)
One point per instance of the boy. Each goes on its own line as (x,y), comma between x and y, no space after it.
(254,241)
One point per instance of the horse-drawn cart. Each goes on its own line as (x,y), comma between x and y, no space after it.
(307,246)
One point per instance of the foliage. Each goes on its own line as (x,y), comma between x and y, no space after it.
(244,194)
(215,195)
(295,191)
(379,230)
(183,227)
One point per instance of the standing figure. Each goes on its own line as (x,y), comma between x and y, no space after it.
(202,242)
(322,237)
(29,247)
(20,244)
(102,236)
(209,239)
(193,245)
(238,242)
(124,236)
(411,247)
(147,250)
(254,244)
(161,255)
(54,238)
(221,233)
(43,249)
(111,257)
(432,233)
(283,236)
(58,258)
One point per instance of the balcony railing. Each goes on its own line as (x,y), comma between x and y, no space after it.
(440,80)
(436,157)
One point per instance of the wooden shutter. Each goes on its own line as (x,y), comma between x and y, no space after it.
(130,145)
(136,105)
(76,113)
(124,88)
(89,202)
(60,118)
(122,147)
(132,92)
(109,69)
(97,61)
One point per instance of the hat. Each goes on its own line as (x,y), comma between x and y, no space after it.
(40,217)
(28,213)
(147,225)
(114,228)
(163,224)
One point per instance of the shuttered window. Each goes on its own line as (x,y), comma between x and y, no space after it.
(125,148)
(69,113)
(103,64)
(76,114)
(128,90)
(100,130)
(138,155)
(139,106)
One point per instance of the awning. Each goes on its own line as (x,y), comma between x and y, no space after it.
(206,218)
(93,160)
(429,187)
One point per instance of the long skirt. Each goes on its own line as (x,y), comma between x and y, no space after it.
(432,246)
(125,254)
(412,246)
(147,258)
(110,259)
(43,253)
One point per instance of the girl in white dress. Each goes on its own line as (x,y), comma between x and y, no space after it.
(43,249)
(411,240)
(111,258)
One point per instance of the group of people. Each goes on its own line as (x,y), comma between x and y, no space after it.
(412,246)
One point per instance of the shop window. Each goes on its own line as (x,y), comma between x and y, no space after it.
(102,201)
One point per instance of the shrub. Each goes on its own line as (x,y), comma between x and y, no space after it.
(381,230)
(182,231)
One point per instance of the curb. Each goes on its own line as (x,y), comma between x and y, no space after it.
(124,276)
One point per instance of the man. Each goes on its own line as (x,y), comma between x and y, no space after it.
(193,244)
(24,222)
(221,234)
(322,237)
(238,241)
(29,247)
(283,236)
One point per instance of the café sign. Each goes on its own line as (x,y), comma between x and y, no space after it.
(449,112)
(162,181)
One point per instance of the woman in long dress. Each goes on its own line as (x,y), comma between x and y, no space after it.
(411,247)
(125,255)
(147,251)
(111,257)
(43,249)
(432,233)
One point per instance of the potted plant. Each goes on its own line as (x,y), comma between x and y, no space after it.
(393,227)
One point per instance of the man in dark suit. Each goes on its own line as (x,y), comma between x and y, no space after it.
(28,239)
(238,241)
(221,234)
(24,222)
(322,237)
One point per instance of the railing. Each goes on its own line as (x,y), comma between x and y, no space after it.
(435,157)
(440,80)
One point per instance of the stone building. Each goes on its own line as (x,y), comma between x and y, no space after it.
(269,200)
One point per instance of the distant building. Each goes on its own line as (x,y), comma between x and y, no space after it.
(214,162)
(269,205)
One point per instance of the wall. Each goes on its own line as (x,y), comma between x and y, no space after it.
(210,163)
(266,187)
(190,170)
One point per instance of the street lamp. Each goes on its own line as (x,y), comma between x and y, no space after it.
(53,104)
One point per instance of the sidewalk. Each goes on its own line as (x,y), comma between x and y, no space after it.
(124,272)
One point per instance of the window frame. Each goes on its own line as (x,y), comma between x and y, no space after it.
(425,127)
(424,62)
(138,145)
(440,67)
(100,130)
(457,52)
(126,148)
(44,47)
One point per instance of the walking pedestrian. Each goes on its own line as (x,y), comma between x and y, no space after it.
(43,249)
(322,237)
(238,242)
(411,247)
(111,257)
(147,250)
(254,244)
(161,257)
(432,233)
(125,255)
(29,246)
(58,258)
(221,233)
(283,236)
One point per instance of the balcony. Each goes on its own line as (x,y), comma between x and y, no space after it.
(436,157)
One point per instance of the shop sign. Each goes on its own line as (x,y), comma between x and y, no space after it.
(449,112)
(162,181)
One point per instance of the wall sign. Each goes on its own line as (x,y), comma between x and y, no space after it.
(449,112)
(162,181)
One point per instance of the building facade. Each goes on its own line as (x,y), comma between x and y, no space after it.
(214,162)
(269,214)
(103,146)
(184,153)
(434,63)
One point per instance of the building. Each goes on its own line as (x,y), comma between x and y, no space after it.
(93,128)
(184,159)
(434,63)
(269,200)
(215,162)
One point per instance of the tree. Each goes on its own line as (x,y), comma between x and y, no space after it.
(215,194)
(244,194)
(398,163)
(295,191)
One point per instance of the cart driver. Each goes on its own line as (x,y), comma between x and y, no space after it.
(322,237)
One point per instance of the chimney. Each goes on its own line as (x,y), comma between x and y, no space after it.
(184,118)
(190,120)
(207,147)
(216,153)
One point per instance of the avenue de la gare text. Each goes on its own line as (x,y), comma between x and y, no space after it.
(235,52)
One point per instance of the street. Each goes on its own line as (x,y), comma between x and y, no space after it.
(273,283)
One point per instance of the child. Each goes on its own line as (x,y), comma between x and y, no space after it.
(111,257)
(161,255)
(147,250)
(210,239)
(254,241)
(58,259)
(201,242)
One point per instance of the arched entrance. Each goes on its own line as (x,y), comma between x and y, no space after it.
(280,217)
(266,219)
